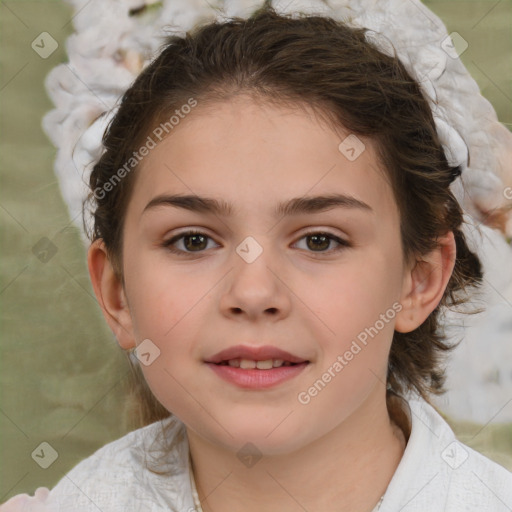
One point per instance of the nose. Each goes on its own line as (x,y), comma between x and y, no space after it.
(257,289)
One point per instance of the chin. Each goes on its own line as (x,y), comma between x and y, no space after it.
(260,438)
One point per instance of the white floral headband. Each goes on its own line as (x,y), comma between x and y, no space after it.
(116,39)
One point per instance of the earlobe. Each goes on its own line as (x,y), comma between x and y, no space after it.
(425,283)
(110,294)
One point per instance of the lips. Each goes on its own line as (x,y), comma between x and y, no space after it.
(256,368)
(263,353)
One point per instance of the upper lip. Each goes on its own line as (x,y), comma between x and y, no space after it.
(262,353)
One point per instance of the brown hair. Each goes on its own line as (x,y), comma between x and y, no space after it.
(333,68)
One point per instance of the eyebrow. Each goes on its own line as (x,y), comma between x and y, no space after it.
(295,206)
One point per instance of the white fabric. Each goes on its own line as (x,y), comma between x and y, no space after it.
(436,474)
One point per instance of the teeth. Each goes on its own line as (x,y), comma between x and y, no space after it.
(264,365)
(247,364)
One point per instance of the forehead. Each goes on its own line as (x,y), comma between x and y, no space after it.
(253,155)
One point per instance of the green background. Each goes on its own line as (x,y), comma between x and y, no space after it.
(63,379)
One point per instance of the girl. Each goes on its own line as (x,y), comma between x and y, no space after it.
(275,239)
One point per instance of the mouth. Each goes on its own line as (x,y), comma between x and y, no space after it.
(249,364)
(249,357)
(252,367)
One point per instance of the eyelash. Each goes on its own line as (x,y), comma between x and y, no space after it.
(343,243)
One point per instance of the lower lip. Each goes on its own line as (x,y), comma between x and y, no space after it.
(257,379)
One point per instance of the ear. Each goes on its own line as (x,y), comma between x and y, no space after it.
(110,294)
(425,283)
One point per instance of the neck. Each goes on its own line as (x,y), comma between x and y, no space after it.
(346,470)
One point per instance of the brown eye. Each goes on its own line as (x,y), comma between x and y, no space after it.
(193,241)
(320,242)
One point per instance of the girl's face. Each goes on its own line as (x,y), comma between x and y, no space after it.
(270,272)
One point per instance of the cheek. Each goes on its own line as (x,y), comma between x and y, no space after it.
(167,306)
(355,294)
(167,309)
(161,296)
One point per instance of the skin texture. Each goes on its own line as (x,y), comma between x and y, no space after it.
(339,451)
